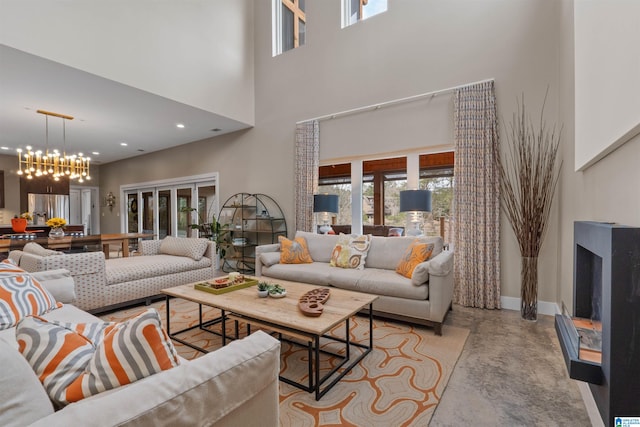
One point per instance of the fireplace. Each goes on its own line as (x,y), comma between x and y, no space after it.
(600,340)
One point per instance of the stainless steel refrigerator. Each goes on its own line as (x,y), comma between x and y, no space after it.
(45,206)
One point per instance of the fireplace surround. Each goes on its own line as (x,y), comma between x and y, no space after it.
(606,298)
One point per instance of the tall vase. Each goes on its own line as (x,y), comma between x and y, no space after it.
(529,289)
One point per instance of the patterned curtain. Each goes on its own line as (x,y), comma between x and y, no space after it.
(476,196)
(307,162)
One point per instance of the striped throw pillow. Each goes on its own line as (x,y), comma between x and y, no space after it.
(74,361)
(21,295)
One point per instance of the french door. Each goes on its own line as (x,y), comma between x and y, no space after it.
(182,207)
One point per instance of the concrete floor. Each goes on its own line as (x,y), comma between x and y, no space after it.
(510,373)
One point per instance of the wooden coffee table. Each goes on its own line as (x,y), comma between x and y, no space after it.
(281,315)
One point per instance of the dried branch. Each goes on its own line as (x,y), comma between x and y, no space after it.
(528,175)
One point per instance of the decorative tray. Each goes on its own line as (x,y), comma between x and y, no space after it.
(222,285)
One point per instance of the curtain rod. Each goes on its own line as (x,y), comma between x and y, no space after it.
(394,102)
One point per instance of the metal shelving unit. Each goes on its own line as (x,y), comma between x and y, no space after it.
(252,220)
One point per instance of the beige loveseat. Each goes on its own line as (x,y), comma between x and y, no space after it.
(105,284)
(236,385)
(425,298)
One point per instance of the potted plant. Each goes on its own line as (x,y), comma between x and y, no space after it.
(528,177)
(56,225)
(211,230)
(263,289)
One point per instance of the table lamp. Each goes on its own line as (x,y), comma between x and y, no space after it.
(325,205)
(415,202)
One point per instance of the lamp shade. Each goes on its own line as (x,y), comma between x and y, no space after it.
(325,203)
(415,200)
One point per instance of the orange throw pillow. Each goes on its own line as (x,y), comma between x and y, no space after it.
(294,251)
(414,255)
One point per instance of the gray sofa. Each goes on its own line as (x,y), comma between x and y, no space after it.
(106,284)
(236,385)
(424,299)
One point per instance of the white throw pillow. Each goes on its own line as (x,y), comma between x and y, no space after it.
(270,258)
(183,246)
(23,400)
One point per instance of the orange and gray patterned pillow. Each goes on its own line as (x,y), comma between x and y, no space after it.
(415,254)
(183,246)
(21,295)
(75,361)
(350,251)
(294,251)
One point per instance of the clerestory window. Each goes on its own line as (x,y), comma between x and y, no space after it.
(289,25)
(358,10)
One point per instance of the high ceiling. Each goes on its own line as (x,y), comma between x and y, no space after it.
(106,113)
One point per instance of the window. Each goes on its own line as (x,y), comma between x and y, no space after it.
(382,181)
(289,25)
(336,179)
(436,175)
(358,10)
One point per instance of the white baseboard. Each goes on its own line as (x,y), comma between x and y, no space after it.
(544,307)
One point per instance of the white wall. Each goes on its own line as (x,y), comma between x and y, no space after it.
(197,52)
(607,70)
(608,189)
(417,46)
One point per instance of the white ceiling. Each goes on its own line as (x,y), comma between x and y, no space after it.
(105,112)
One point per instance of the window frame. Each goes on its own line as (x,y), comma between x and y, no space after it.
(278,24)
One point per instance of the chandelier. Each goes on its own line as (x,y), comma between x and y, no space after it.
(37,163)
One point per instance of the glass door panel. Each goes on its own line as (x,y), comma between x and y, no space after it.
(148,213)
(183,214)
(132,212)
(164,213)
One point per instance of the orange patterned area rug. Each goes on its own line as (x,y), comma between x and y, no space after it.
(399,383)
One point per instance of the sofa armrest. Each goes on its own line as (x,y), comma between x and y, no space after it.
(89,274)
(264,249)
(214,389)
(59,283)
(440,285)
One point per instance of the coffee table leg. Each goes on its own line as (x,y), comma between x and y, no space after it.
(168,317)
(224,328)
(317,373)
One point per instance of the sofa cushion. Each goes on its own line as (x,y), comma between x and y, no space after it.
(183,246)
(320,245)
(59,283)
(316,273)
(377,281)
(294,251)
(415,253)
(386,252)
(120,270)
(36,249)
(21,295)
(74,361)
(22,398)
(350,251)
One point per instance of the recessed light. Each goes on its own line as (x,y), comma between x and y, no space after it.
(95,153)
(180,125)
(4,148)
(124,144)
